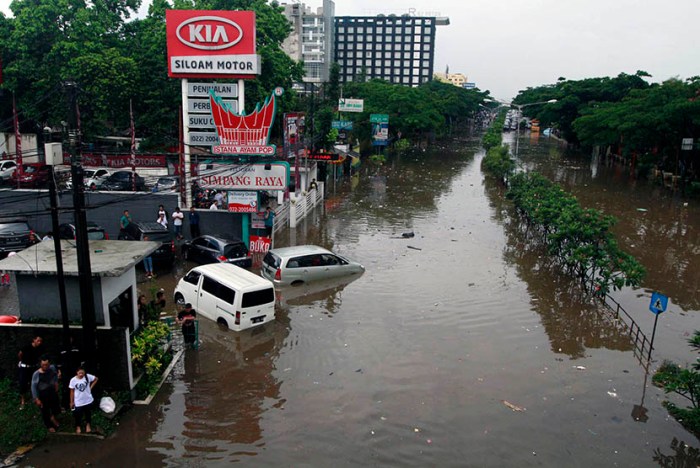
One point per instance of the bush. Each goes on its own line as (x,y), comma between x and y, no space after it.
(498,162)
(150,355)
(19,427)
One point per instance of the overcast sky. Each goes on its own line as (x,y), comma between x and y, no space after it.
(509,45)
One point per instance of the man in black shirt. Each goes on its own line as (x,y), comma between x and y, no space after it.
(186,318)
(29,357)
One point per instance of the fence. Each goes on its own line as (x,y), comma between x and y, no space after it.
(300,206)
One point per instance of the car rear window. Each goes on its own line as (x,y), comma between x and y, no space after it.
(256,298)
(9,228)
(96,235)
(235,250)
(272,260)
(159,236)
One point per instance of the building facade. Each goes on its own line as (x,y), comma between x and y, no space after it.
(457,79)
(311,39)
(399,49)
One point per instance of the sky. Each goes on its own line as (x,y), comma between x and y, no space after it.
(508,45)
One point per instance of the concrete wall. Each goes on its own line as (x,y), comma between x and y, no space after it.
(105,209)
(42,293)
(114,351)
(112,287)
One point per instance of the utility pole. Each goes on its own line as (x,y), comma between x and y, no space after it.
(51,158)
(87,298)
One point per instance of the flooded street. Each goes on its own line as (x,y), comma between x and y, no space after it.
(457,347)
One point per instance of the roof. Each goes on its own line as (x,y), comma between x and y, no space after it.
(107,257)
(226,272)
(299,250)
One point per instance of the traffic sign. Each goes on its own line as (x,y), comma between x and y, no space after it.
(658,304)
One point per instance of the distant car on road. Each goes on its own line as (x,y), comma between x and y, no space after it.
(210,249)
(33,175)
(7,168)
(167,184)
(14,234)
(124,181)
(95,232)
(92,176)
(304,263)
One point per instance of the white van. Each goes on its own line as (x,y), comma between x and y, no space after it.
(228,294)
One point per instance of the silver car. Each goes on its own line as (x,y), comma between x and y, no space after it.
(304,263)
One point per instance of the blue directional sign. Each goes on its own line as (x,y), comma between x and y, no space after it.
(658,303)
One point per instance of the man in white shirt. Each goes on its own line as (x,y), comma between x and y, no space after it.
(178,216)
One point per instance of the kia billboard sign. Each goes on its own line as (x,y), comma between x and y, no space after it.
(211,44)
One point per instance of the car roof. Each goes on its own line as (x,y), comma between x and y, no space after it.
(90,225)
(220,239)
(299,250)
(150,226)
(224,272)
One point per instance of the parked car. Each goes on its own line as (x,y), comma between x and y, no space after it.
(210,249)
(137,231)
(124,181)
(228,295)
(7,168)
(167,184)
(33,175)
(14,234)
(303,263)
(92,176)
(95,232)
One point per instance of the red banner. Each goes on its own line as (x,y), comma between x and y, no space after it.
(120,161)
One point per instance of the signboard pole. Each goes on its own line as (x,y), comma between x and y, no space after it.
(186,176)
(241,96)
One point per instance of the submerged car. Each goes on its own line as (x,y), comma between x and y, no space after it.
(210,249)
(139,231)
(304,263)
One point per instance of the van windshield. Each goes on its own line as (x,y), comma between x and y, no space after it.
(256,298)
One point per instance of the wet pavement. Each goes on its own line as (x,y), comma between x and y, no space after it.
(457,347)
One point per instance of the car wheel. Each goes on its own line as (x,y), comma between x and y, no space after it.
(222,323)
(179,300)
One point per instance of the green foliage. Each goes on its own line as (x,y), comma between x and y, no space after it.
(493,136)
(377,159)
(116,59)
(579,239)
(684,382)
(498,162)
(19,427)
(402,145)
(149,354)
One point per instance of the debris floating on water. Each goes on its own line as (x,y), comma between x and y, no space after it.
(512,406)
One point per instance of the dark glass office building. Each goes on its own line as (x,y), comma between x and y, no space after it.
(399,49)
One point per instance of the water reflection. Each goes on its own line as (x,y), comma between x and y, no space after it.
(221,393)
(326,294)
(572,321)
(657,226)
(683,456)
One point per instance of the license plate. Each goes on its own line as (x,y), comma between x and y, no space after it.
(258,319)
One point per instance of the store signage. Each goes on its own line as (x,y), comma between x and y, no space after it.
(323,156)
(271,176)
(211,43)
(259,244)
(225,90)
(243,202)
(203,106)
(241,134)
(119,161)
(351,105)
(342,124)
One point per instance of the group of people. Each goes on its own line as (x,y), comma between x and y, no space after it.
(177,217)
(40,376)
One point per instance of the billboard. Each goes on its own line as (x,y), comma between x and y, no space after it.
(380,129)
(211,44)
(243,202)
(351,105)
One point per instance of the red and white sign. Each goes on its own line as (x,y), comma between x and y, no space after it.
(211,44)
(120,161)
(247,177)
(240,133)
(243,202)
(259,244)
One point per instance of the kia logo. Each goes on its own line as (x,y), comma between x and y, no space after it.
(209,33)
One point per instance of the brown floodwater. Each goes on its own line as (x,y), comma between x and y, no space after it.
(460,346)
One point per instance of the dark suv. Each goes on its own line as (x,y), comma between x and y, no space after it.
(14,234)
(95,232)
(124,181)
(136,231)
